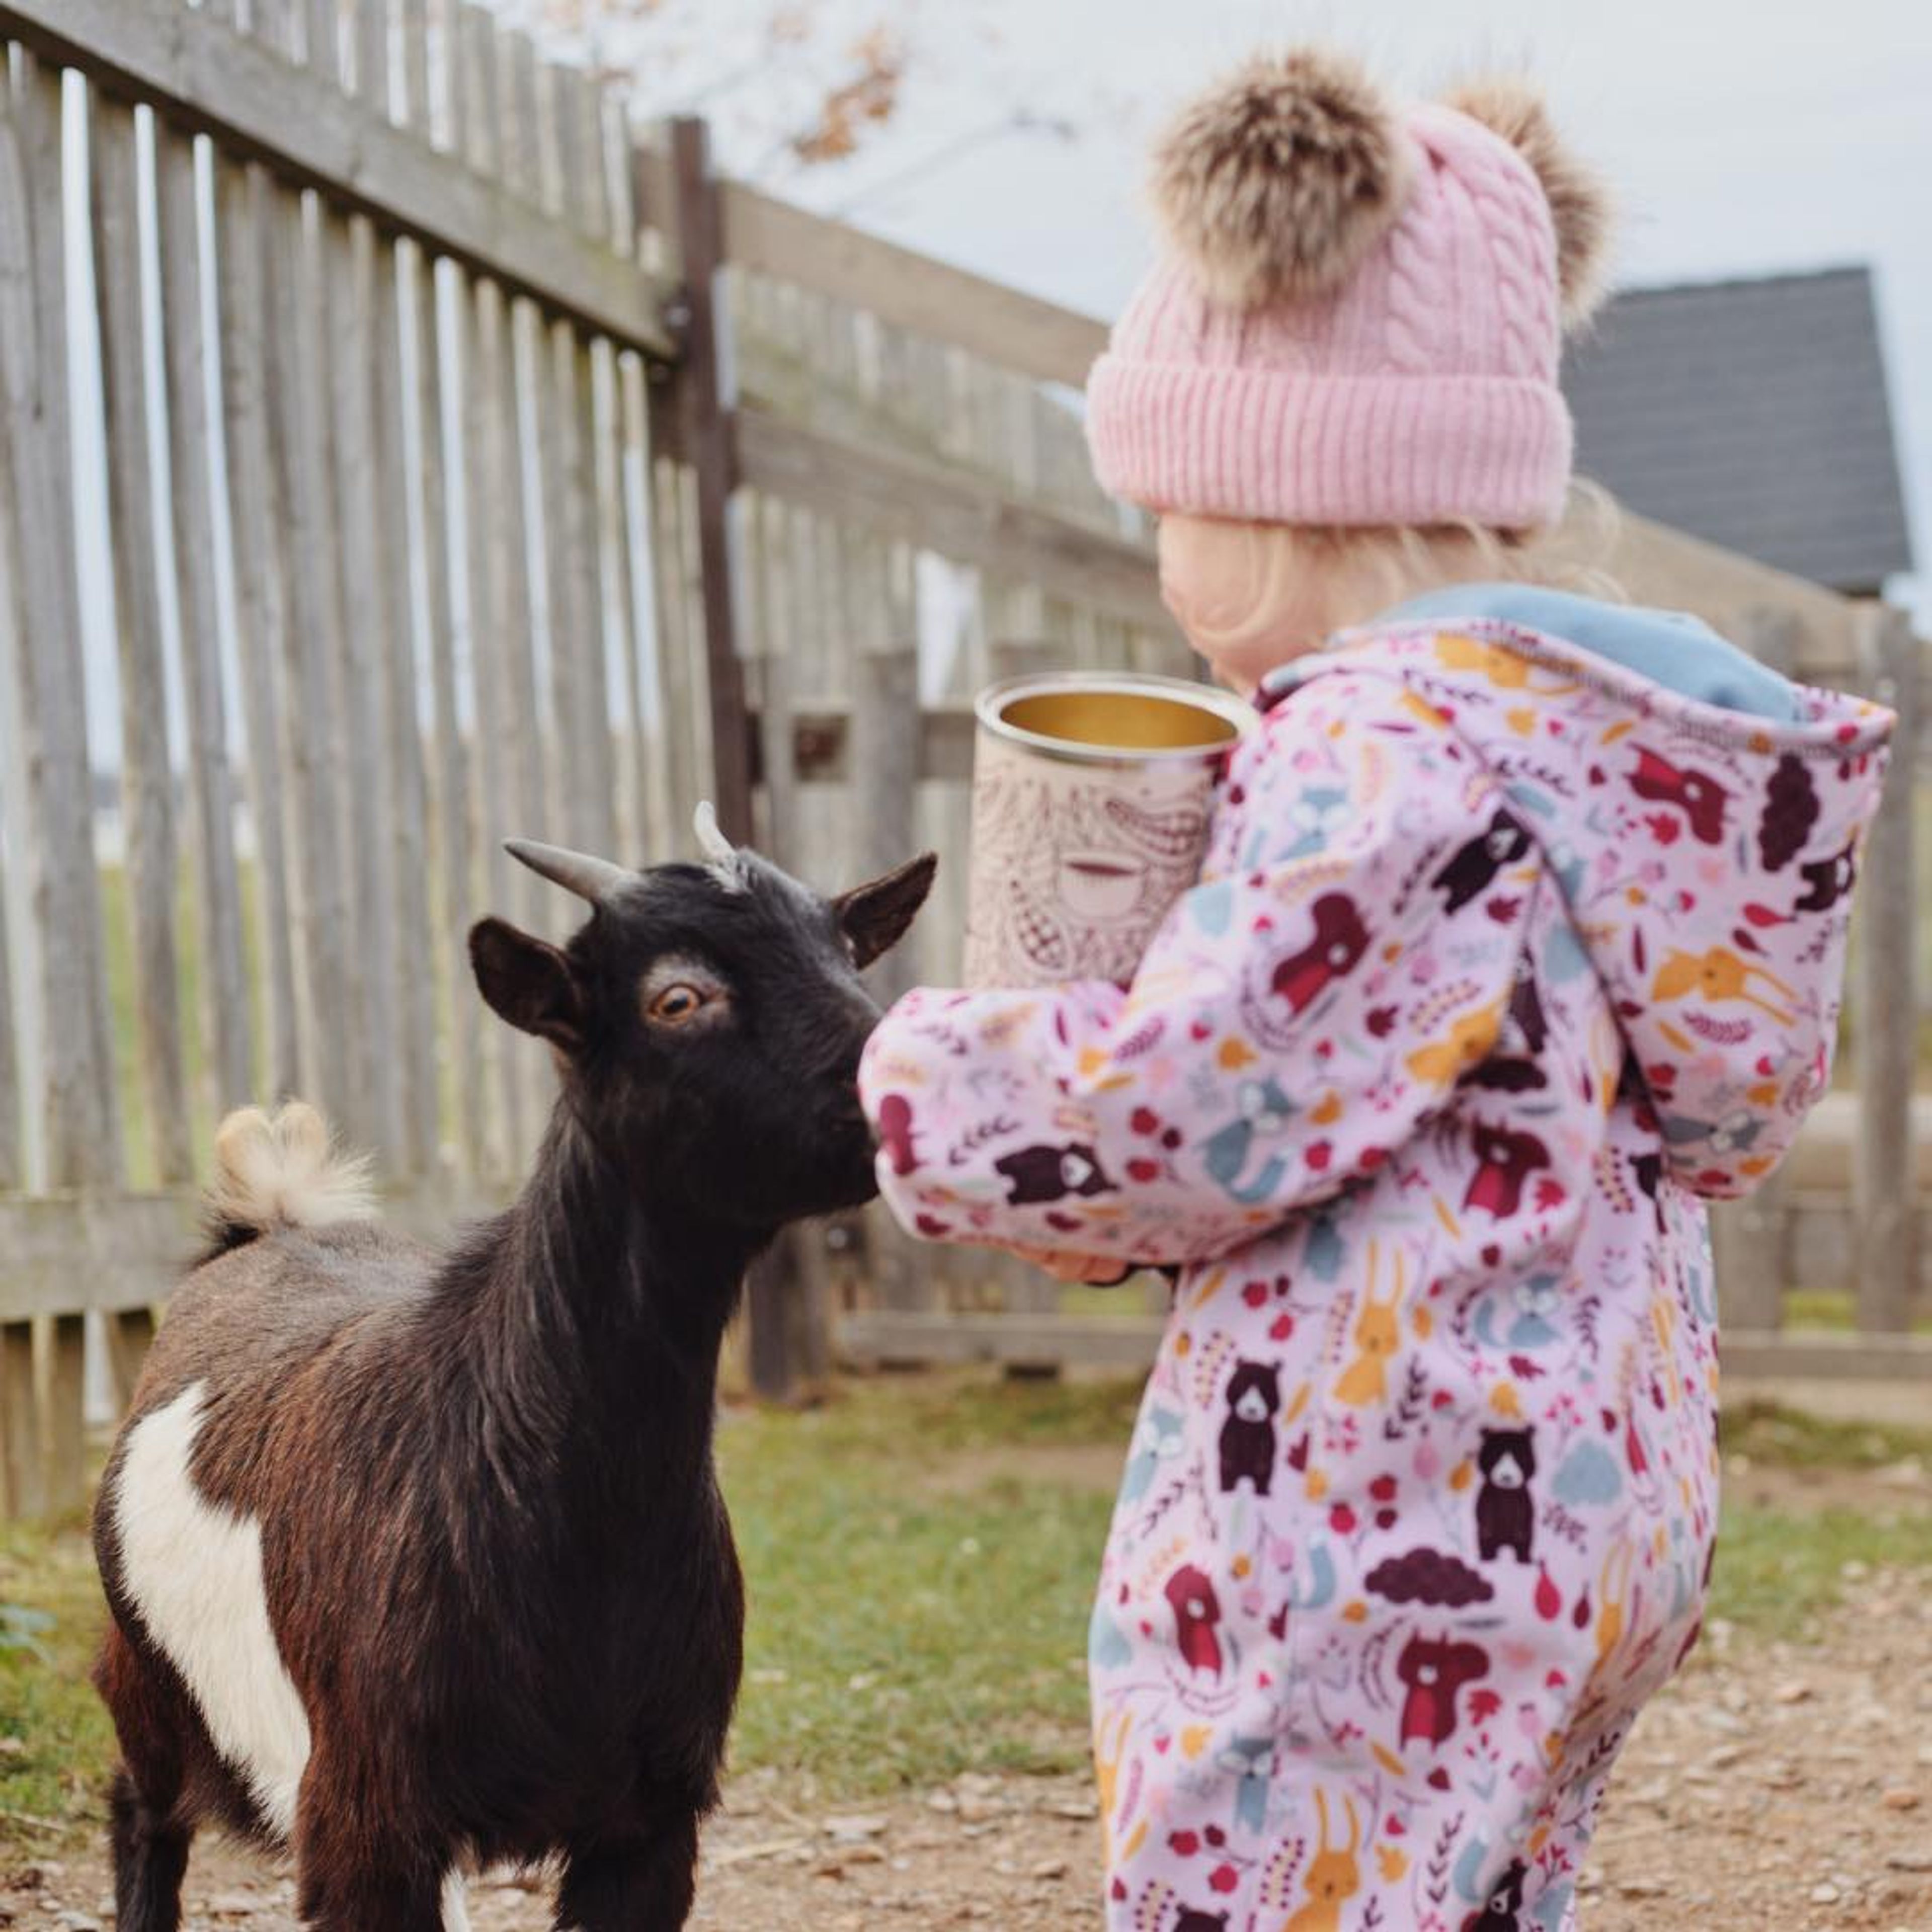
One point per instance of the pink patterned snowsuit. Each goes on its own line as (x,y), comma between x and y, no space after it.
(1502,957)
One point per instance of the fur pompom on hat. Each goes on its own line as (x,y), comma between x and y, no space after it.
(1358,312)
(1275,184)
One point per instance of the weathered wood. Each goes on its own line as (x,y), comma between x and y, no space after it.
(321,40)
(79,1099)
(23,1476)
(959,518)
(375,1046)
(243,208)
(416,110)
(912,290)
(452,837)
(298,447)
(371,29)
(1751,1238)
(207,79)
(644,664)
(147,773)
(225,1002)
(129,1334)
(70,1252)
(705,403)
(64,1387)
(10,1162)
(1887,1009)
(408,833)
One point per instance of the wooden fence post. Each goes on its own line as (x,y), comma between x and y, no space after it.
(705,403)
(1752,1237)
(1885,1212)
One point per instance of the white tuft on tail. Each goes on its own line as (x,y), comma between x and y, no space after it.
(285,1173)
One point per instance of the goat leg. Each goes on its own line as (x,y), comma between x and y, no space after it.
(150,1858)
(351,1878)
(647,1886)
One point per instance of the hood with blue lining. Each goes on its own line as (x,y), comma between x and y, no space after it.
(1702,817)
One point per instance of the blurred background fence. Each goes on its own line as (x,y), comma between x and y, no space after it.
(398,452)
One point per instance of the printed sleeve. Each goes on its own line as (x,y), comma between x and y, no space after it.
(1349,955)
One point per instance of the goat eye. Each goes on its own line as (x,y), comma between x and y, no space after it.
(676,1004)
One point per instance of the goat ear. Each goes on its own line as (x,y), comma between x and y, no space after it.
(527,982)
(874,917)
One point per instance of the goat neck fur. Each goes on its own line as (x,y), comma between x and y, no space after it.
(418,1562)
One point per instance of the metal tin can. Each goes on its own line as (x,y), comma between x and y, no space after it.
(1092,794)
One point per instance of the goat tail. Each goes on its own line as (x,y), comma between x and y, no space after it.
(285,1172)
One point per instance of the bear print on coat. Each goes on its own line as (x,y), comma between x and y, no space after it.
(1473,867)
(1828,880)
(1341,938)
(1696,794)
(1247,1436)
(1197,1614)
(1037,1175)
(1502,1910)
(1505,1508)
(1507,1158)
(1434,1668)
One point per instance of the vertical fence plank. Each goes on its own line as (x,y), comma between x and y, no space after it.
(79,1099)
(9,1070)
(651,774)
(1884,1204)
(1750,1239)
(147,774)
(408,832)
(367,643)
(224,987)
(299,445)
(704,380)
(244,205)
(452,833)
(64,1380)
(20,1458)
(493,534)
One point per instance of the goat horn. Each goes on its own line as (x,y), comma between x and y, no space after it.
(711,838)
(596,879)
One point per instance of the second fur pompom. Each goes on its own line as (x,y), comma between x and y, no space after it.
(1274,185)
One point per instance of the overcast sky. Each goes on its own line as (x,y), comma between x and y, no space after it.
(1744,136)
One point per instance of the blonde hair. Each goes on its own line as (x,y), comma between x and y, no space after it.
(1321,579)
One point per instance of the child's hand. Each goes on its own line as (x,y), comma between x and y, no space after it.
(1087,1270)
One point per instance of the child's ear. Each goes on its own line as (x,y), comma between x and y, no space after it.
(874,917)
(528,982)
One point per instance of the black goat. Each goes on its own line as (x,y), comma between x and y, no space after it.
(418,1564)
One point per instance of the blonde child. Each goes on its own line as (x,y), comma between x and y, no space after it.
(1521,935)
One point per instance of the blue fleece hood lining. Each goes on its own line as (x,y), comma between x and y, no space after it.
(1670,648)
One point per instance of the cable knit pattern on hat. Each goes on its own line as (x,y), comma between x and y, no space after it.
(1420,390)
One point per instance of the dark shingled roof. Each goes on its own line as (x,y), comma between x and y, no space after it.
(1753,414)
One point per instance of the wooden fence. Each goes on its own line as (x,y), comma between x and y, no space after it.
(396,453)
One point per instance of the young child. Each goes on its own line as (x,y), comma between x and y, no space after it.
(1521,935)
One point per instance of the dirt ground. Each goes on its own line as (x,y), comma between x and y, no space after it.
(1776,1787)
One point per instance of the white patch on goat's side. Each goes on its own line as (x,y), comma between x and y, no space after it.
(455,1902)
(193,1570)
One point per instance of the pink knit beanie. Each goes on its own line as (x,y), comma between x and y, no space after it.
(1357,315)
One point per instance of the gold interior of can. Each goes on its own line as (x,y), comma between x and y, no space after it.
(1119,721)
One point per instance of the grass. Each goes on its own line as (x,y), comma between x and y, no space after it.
(56,1743)
(920,1554)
